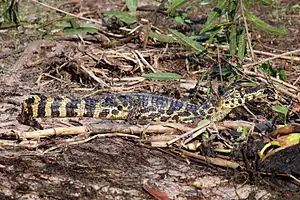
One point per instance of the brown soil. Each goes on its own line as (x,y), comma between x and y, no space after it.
(115,167)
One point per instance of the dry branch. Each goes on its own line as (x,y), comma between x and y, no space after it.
(104,128)
(210,160)
(272,58)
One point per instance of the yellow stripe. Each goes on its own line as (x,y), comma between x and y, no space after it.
(37,99)
(48,108)
(35,105)
(80,110)
(98,109)
(34,110)
(63,106)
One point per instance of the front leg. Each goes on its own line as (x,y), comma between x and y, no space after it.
(30,121)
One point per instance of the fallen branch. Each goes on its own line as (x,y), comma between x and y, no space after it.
(103,128)
(67,13)
(197,130)
(234,125)
(248,72)
(272,58)
(214,161)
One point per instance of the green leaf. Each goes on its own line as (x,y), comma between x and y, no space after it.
(69,25)
(282,74)
(266,68)
(243,132)
(188,21)
(63,25)
(9,12)
(281,109)
(242,45)
(216,12)
(207,2)
(214,26)
(226,71)
(212,36)
(205,134)
(163,76)
(186,41)
(123,16)
(232,9)
(264,2)
(248,84)
(79,31)
(295,7)
(292,138)
(74,24)
(73,28)
(184,15)
(179,20)
(203,123)
(161,38)
(175,4)
(132,5)
(232,40)
(264,26)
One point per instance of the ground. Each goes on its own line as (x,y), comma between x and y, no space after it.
(116,167)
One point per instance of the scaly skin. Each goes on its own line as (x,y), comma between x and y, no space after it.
(134,107)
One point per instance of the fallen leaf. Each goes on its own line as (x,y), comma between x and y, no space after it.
(155,193)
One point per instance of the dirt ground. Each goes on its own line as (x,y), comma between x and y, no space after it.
(116,167)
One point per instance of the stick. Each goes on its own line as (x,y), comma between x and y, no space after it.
(272,58)
(67,13)
(104,127)
(214,161)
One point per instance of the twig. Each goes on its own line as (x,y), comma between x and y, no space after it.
(53,132)
(16,143)
(247,31)
(226,48)
(272,58)
(145,61)
(220,67)
(296,81)
(60,80)
(89,72)
(67,13)
(249,111)
(104,127)
(234,124)
(284,175)
(214,161)
(283,90)
(248,72)
(272,54)
(286,92)
(193,135)
(140,64)
(198,129)
(279,87)
(72,141)
(82,18)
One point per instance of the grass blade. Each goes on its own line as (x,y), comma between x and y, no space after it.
(186,41)
(132,5)
(216,12)
(163,76)
(175,4)
(123,16)
(161,37)
(242,45)
(264,26)
(232,40)
(214,26)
